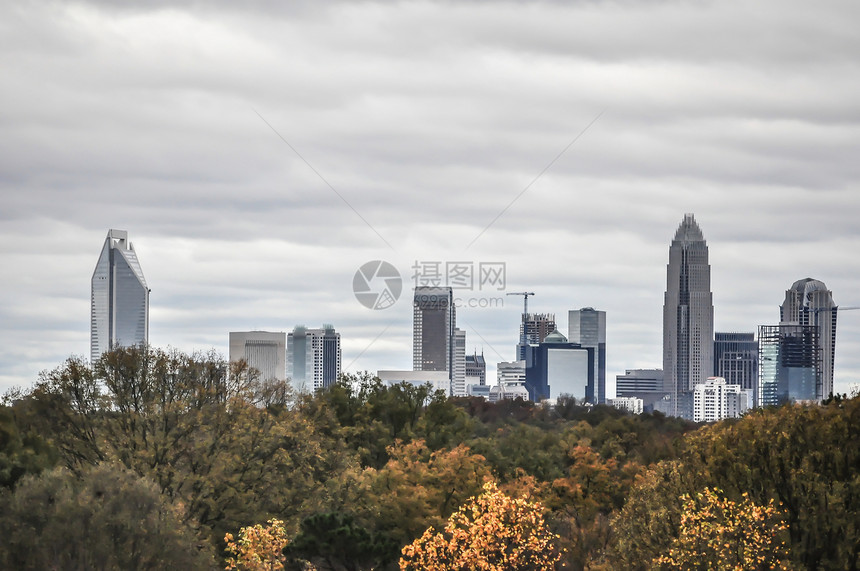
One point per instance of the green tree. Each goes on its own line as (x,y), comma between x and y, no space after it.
(335,541)
(109,518)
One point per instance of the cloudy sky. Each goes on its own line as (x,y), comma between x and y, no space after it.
(258,155)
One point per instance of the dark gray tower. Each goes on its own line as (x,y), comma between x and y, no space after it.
(688,316)
(434,321)
(119,308)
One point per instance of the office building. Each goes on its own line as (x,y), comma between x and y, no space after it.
(434,320)
(438,380)
(476,368)
(789,364)
(736,359)
(510,381)
(313,357)
(559,368)
(646,384)
(633,405)
(688,317)
(119,300)
(716,400)
(587,327)
(264,351)
(809,302)
(458,374)
(534,328)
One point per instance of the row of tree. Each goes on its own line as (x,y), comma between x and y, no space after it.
(171,459)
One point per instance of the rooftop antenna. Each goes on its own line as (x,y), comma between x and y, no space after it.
(524,337)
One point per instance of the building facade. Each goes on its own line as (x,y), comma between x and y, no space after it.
(559,368)
(646,384)
(458,373)
(263,350)
(736,359)
(688,316)
(434,320)
(476,368)
(119,298)
(716,400)
(789,364)
(633,405)
(587,327)
(809,302)
(314,358)
(533,330)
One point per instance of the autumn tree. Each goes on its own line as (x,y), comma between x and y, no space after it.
(492,531)
(258,547)
(719,534)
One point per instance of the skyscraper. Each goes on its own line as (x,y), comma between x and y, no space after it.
(119,308)
(559,368)
(458,372)
(688,317)
(587,327)
(434,321)
(536,327)
(809,302)
(313,357)
(736,359)
(263,350)
(789,364)
(476,368)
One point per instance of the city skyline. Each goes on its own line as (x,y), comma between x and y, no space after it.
(565,141)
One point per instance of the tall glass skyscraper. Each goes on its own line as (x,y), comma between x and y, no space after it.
(119,308)
(688,317)
(587,327)
(809,302)
(314,358)
(433,329)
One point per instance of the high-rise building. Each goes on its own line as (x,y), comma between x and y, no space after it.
(119,303)
(646,384)
(533,329)
(433,325)
(789,364)
(587,327)
(510,381)
(313,357)
(736,359)
(809,302)
(715,400)
(476,368)
(688,317)
(263,350)
(560,368)
(458,373)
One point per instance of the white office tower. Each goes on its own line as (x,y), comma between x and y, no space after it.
(313,357)
(715,400)
(119,308)
(458,375)
(510,381)
(264,351)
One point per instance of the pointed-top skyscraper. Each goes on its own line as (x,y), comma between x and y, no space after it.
(688,317)
(119,309)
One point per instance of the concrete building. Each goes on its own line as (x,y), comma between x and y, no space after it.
(736,359)
(263,350)
(716,400)
(809,302)
(633,405)
(536,327)
(587,327)
(434,320)
(476,368)
(437,379)
(688,316)
(789,364)
(458,374)
(119,298)
(557,368)
(313,357)
(646,384)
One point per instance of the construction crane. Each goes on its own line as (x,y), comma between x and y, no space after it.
(524,337)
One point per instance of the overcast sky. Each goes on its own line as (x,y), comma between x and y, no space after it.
(257,156)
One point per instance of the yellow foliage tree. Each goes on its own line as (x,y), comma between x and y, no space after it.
(492,531)
(259,548)
(723,535)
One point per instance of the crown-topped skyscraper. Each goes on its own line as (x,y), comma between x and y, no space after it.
(688,317)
